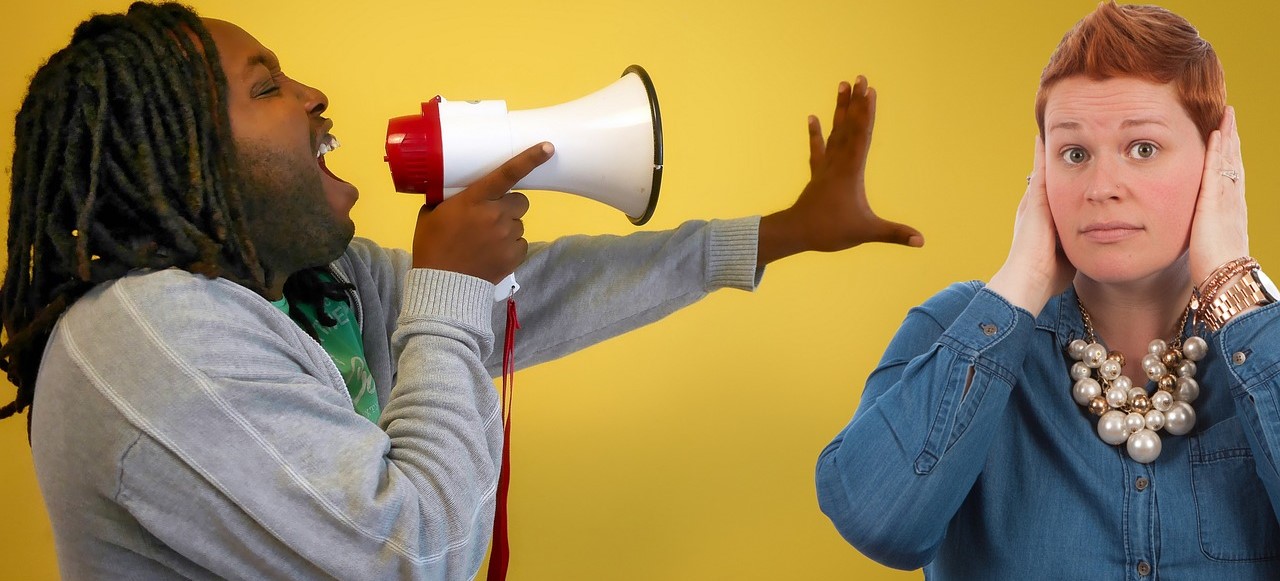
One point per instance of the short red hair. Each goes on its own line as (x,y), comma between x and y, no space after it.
(1144,42)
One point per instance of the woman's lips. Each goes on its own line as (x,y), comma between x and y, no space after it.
(1110,231)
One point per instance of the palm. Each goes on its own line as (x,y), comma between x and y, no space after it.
(835,199)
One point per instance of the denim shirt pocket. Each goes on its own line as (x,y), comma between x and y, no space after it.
(1233,512)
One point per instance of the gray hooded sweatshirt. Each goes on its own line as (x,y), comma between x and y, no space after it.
(183,427)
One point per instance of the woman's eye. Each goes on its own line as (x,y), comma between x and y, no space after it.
(1075,156)
(1143,150)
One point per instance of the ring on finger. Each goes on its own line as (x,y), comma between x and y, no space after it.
(1230,174)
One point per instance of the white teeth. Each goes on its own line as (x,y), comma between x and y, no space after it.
(327,143)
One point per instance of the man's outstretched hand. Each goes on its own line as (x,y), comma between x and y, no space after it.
(832,212)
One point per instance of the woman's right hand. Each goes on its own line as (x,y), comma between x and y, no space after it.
(1036,268)
(478,232)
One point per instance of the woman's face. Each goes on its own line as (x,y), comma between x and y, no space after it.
(1122,163)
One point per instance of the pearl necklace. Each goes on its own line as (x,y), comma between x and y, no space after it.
(1129,414)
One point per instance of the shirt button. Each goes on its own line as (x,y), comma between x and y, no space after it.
(1143,569)
(1141,483)
(988,329)
(1239,358)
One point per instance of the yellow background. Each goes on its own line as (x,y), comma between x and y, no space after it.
(685,450)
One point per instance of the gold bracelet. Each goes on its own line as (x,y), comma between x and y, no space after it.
(1220,275)
(1206,296)
(1213,283)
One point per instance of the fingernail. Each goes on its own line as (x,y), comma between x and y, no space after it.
(844,86)
(547,148)
(915,241)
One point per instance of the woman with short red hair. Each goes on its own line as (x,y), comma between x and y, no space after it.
(1108,405)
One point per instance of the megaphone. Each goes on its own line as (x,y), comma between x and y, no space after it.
(608,146)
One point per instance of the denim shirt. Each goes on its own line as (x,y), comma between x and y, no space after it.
(1007,479)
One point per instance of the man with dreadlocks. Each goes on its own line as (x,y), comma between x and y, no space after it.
(168,209)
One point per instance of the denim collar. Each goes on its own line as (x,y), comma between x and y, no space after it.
(1061,316)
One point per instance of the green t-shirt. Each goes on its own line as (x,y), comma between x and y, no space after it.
(346,348)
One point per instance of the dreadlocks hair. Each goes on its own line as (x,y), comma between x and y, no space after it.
(123,160)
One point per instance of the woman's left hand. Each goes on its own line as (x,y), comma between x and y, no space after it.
(1220,228)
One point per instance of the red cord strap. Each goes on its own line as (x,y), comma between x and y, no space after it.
(501,552)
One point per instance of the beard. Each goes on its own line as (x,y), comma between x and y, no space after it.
(291,224)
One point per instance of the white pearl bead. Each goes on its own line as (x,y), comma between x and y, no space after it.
(1094,355)
(1133,421)
(1085,390)
(1186,389)
(1155,420)
(1150,359)
(1080,371)
(1186,368)
(1195,348)
(1117,398)
(1157,347)
(1144,446)
(1180,418)
(1076,349)
(1122,383)
(1109,370)
(1155,370)
(1162,400)
(1111,427)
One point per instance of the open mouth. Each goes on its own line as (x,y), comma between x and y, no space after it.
(328,143)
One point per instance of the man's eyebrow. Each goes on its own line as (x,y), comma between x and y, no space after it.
(255,60)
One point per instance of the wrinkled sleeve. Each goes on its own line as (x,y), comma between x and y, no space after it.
(894,477)
(1250,346)
(580,290)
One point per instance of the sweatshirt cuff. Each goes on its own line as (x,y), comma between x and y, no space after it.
(732,247)
(440,294)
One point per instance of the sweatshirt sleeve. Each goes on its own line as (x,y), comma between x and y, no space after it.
(894,477)
(580,290)
(250,462)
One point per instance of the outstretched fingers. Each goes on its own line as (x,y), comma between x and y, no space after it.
(817,147)
(854,115)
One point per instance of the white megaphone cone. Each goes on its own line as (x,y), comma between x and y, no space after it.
(608,147)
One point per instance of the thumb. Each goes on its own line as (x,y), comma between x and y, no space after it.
(895,233)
